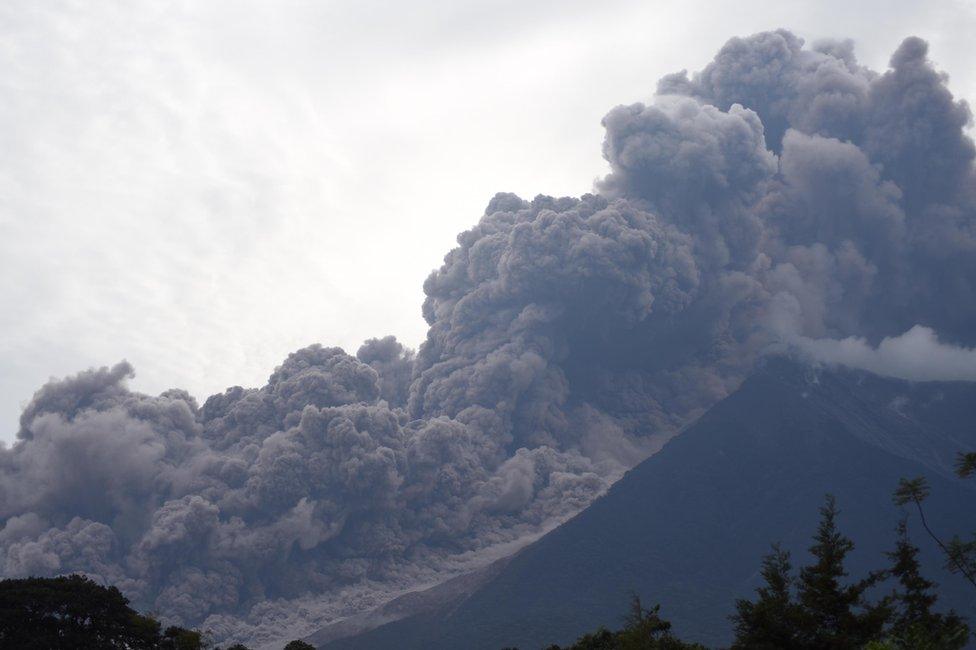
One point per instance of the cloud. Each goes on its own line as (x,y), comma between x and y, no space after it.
(916,355)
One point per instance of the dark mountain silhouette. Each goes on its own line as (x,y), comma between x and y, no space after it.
(687,528)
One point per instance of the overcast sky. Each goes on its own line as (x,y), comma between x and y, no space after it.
(202,187)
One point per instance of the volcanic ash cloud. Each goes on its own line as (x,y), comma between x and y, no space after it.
(783,194)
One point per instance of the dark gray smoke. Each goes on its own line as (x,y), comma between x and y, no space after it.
(782,194)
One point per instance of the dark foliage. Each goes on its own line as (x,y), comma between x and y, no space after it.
(960,553)
(178,638)
(644,630)
(824,610)
(774,621)
(70,612)
(912,616)
(836,614)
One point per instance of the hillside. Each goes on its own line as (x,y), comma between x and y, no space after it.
(687,527)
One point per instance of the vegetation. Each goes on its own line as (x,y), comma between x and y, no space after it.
(914,624)
(822,610)
(71,612)
(960,554)
(644,630)
(825,612)
(819,608)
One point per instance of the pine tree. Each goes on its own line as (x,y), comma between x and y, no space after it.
(836,615)
(914,619)
(773,621)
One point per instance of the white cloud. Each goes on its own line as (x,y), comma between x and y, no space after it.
(917,355)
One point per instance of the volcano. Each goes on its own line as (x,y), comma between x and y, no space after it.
(687,528)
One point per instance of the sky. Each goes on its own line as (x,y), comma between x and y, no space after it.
(203,187)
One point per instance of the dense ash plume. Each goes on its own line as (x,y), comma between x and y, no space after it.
(782,194)
(312,481)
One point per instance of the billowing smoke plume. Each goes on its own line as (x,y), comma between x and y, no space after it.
(782,194)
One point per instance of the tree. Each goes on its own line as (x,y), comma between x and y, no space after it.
(644,630)
(966,464)
(70,612)
(774,621)
(914,623)
(602,639)
(836,615)
(298,645)
(178,638)
(76,612)
(827,611)
(960,554)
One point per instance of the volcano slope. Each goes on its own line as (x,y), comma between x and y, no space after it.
(687,528)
